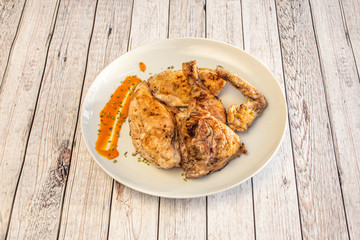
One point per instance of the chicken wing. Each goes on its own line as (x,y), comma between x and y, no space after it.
(172,87)
(200,95)
(207,144)
(240,118)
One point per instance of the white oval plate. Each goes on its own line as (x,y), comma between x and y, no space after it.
(261,140)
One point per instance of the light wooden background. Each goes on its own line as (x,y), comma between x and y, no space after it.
(52,50)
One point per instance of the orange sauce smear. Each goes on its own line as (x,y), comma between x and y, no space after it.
(142,66)
(113,116)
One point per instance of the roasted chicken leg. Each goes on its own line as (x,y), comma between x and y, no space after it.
(207,144)
(240,118)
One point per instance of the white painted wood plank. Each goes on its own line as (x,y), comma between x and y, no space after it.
(87,201)
(18,96)
(343,98)
(230,214)
(10,15)
(134,215)
(184,218)
(36,211)
(275,196)
(223,21)
(187,18)
(351,15)
(321,206)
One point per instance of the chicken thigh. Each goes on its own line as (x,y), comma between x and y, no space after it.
(207,144)
(172,87)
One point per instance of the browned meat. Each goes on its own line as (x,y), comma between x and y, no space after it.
(240,118)
(206,143)
(200,95)
(211,80)
(172,87)
(152,128)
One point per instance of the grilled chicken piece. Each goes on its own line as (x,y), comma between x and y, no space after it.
(206,143)
(240,118)
(152,129)
(200,95)
(172,87)
(211,80)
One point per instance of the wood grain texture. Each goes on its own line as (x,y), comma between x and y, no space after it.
(343,99)
(87,201)
(37,206)
(351,10)
(184,218)
(224,21)
(230,213)
(10,15)
(134,215)
(18,94)
(187,18)
(274,188)
(321,206)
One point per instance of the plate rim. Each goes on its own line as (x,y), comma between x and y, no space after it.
(170,194)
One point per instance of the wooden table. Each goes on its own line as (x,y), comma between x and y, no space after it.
(51,51)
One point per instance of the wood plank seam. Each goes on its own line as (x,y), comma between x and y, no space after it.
(33,116)
(158,216)
(328,114)
(168,27)
(288,118)
(348,35)
(11,46)
(131,20)
(253,198)
(77,121)
(113,181)
(109,218)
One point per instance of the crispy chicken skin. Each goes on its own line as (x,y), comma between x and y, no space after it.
(206,143)
(211,80)
(172,87)
(200,95)
(240,118)
(152,128)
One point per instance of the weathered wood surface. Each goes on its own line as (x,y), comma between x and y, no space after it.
(37,206)
(18,96)
(322,217)
(342,91)
(351,18)
(51,187)
(10,15)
